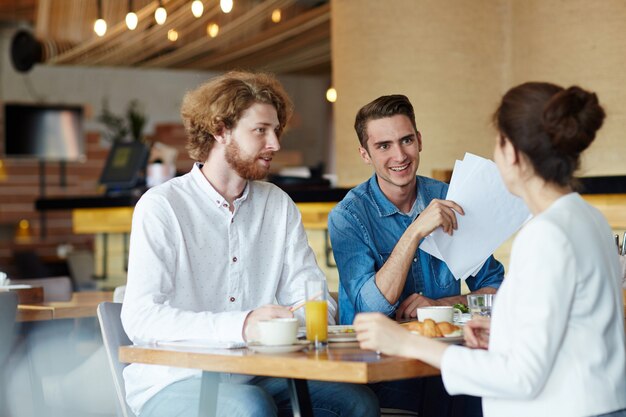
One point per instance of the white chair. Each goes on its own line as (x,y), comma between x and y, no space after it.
(8,311)
(81,266)
(113,336)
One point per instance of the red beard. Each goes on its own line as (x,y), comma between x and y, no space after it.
(247,168)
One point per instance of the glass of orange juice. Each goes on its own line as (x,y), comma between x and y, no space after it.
(316,312)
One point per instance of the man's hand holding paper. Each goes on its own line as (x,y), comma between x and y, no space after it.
(492,215)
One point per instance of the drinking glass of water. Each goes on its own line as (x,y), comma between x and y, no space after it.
(480,304)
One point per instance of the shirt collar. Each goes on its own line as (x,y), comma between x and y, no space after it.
(386,207)
(215,196)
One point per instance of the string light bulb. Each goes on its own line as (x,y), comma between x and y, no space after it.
(172,35)
(212,29)
(100,25)
(132,20)
(160,14)
(226,5)
(331,95)
(197,8)
(131,17)
(276,16)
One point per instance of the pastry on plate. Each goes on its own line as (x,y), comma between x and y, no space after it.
(429,328)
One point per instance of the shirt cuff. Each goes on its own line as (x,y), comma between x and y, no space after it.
(373,300)
(230,328)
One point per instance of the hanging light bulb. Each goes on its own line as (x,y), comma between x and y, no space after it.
(131,17)
(212,29)
(160,14)
(100,25)
(331,95)
(197,8)
(172,35)
(276,15)
(132,20)
(226,5)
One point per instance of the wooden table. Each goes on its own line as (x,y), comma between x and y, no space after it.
(82,304)
(341,364)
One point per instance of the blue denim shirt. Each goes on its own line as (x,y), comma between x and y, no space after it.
(364,229)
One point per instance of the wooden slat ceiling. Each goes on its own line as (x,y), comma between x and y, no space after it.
(247,38)
(17,10)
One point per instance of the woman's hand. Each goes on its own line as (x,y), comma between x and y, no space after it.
(476,333)
(377,332)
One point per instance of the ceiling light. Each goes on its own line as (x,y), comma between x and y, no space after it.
(131,17)
(331,95)
(100,25)
(160,14)
(212,29)
(226,5)
(276,15)
(197,8)
(172,35)
(131,20)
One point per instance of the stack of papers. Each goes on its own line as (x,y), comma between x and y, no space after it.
(202,343)
(492,215)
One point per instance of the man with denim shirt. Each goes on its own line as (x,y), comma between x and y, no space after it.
(376,229)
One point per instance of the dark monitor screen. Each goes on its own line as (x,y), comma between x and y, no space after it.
(124,165)
(51,133)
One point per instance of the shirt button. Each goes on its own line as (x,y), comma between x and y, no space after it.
(414,259)
(234,259)
(232,299)
(224,205)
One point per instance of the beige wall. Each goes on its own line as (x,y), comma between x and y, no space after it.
(578,42)
(454,59)
(444,58)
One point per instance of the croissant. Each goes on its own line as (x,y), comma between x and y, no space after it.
(429,328)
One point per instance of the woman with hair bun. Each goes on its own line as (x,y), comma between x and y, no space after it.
(555,344)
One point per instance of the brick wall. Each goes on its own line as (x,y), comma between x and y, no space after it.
(20,188)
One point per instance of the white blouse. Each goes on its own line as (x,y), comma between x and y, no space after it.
(557,334)
(196,270)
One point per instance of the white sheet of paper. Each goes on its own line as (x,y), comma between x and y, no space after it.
(15,287)
(492,215)
(202,343)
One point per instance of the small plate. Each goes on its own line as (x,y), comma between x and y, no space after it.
(341,333)
(341,328)
(257,347)
(454,340)
(341,338)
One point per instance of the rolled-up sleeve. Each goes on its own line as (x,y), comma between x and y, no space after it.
(490,275)
(356,262)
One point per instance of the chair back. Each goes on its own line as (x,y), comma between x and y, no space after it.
(54,288)
(113,336)
(81,266)
(8,312)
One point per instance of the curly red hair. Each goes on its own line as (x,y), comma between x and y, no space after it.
(219,103)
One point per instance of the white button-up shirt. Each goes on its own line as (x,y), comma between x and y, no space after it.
(557,333)
(196,270)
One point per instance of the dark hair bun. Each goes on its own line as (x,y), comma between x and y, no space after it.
(571,118)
